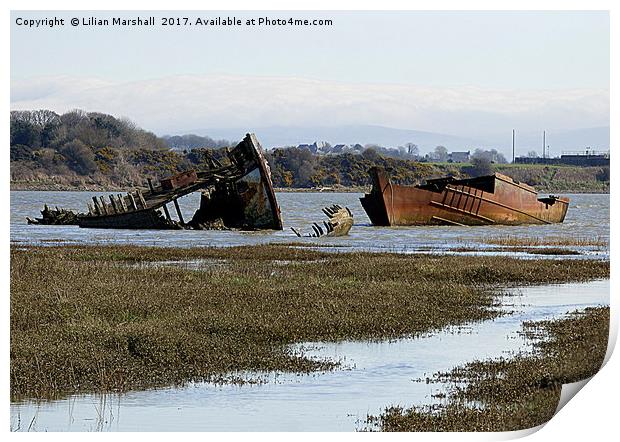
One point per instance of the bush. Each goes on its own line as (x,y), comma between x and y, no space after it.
(79,157)
(480,166)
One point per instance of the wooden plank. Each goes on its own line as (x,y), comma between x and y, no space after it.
(97,208)
(166,212)
(176,206)
(103,205)
(132,201)
(141,198)
(121,202)
(113,204)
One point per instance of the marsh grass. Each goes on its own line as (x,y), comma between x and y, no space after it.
(549,251)
(91,318)
(580,241)
(512,394)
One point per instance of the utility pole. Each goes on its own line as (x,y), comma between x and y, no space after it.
(513,146)
(544,142)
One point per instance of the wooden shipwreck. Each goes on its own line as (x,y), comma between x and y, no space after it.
(485,200)
(236,195)
(339,224)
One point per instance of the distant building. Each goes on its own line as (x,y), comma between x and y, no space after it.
(310,147)
(583,158)
(459,157)
(317,147)
(587,158)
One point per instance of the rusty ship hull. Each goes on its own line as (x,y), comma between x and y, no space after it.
(486,200)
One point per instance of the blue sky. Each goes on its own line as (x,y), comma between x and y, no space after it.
(452,72)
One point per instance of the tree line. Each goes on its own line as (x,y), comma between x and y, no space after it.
(92,147)
(299,168)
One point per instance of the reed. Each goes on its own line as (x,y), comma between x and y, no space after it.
(512,394)
(113,318)
(581,241)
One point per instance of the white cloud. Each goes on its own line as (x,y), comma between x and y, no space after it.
(178,103)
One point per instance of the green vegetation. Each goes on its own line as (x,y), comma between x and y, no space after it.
(79,150)
(298,168)
(294,167)
(99,318)
(513,394)
(560,179)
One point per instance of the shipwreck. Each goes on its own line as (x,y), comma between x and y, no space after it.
(485,200)
(238,194)
(339,224)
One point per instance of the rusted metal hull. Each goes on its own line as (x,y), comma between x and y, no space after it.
(240,193)
(492,199)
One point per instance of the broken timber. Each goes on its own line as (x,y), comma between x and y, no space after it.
(339,224)
(238,194)
(55,217)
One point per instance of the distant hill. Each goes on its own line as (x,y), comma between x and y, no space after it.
(278,136)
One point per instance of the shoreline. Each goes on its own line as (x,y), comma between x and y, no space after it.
(126,318)
(25,187)
(514,393)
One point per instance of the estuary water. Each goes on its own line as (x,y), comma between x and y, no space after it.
(375,375)
(587,217)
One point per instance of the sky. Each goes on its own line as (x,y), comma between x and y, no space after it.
(473,74)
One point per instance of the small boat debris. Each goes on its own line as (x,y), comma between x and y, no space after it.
(238,194)
(485,200)
(339,224)
(56,217)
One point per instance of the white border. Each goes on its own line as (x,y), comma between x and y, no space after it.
(592,415)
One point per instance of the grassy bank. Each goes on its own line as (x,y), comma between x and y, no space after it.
(559,179)
(52,185)
(348,174)
(518,393)
(99,318)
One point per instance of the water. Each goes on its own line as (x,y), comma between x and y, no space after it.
(377,374)
(588,216)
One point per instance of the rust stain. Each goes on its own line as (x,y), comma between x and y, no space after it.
(491,199)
